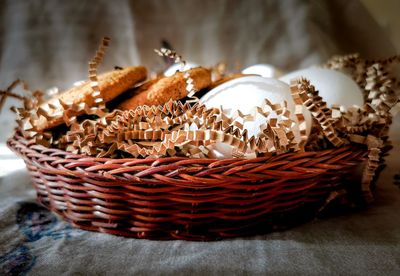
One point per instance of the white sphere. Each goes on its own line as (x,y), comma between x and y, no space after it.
(177,67)
(334,87)
(264,70)
(245,94)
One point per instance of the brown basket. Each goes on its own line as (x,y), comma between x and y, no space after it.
(182,198)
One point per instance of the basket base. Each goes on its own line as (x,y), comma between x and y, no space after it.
(205,231)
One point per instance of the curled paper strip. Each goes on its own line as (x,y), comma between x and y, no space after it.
(24,114)
(166,130)
(370,124)
(369,172)
(98,107)
(305,93)
(340,62)
(8,93)
(190,88)
(164,52)
(358,67)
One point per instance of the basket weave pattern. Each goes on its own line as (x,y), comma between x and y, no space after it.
(183,198)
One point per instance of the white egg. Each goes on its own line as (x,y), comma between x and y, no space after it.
(245,94)
(264,70)
(333,86)
(224,151)
(177,67)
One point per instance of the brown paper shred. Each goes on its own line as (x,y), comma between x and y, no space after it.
(334,195)
(159,131)
(301,89)
(25,117)
(190,89)
(93,64)
(28,101)
(8,93)
(340,62)
(189,85)
(351,64)
(387,61)
(164,52)
(369,124)
(358,67)
(218,71)
(176,138)
(298,111)
(379,90)
(369,172)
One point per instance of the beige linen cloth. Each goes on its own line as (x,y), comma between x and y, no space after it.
(48,43)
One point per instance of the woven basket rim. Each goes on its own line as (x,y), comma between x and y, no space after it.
(54,152)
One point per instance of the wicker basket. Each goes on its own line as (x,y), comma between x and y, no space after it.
(182,198)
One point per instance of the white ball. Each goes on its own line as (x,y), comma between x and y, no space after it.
(264,70)
(334,87)
(224,151)
(245,94)
(177,67)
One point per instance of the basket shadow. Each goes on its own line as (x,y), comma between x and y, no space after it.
(376,224)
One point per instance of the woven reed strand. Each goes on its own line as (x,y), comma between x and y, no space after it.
(182,198)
